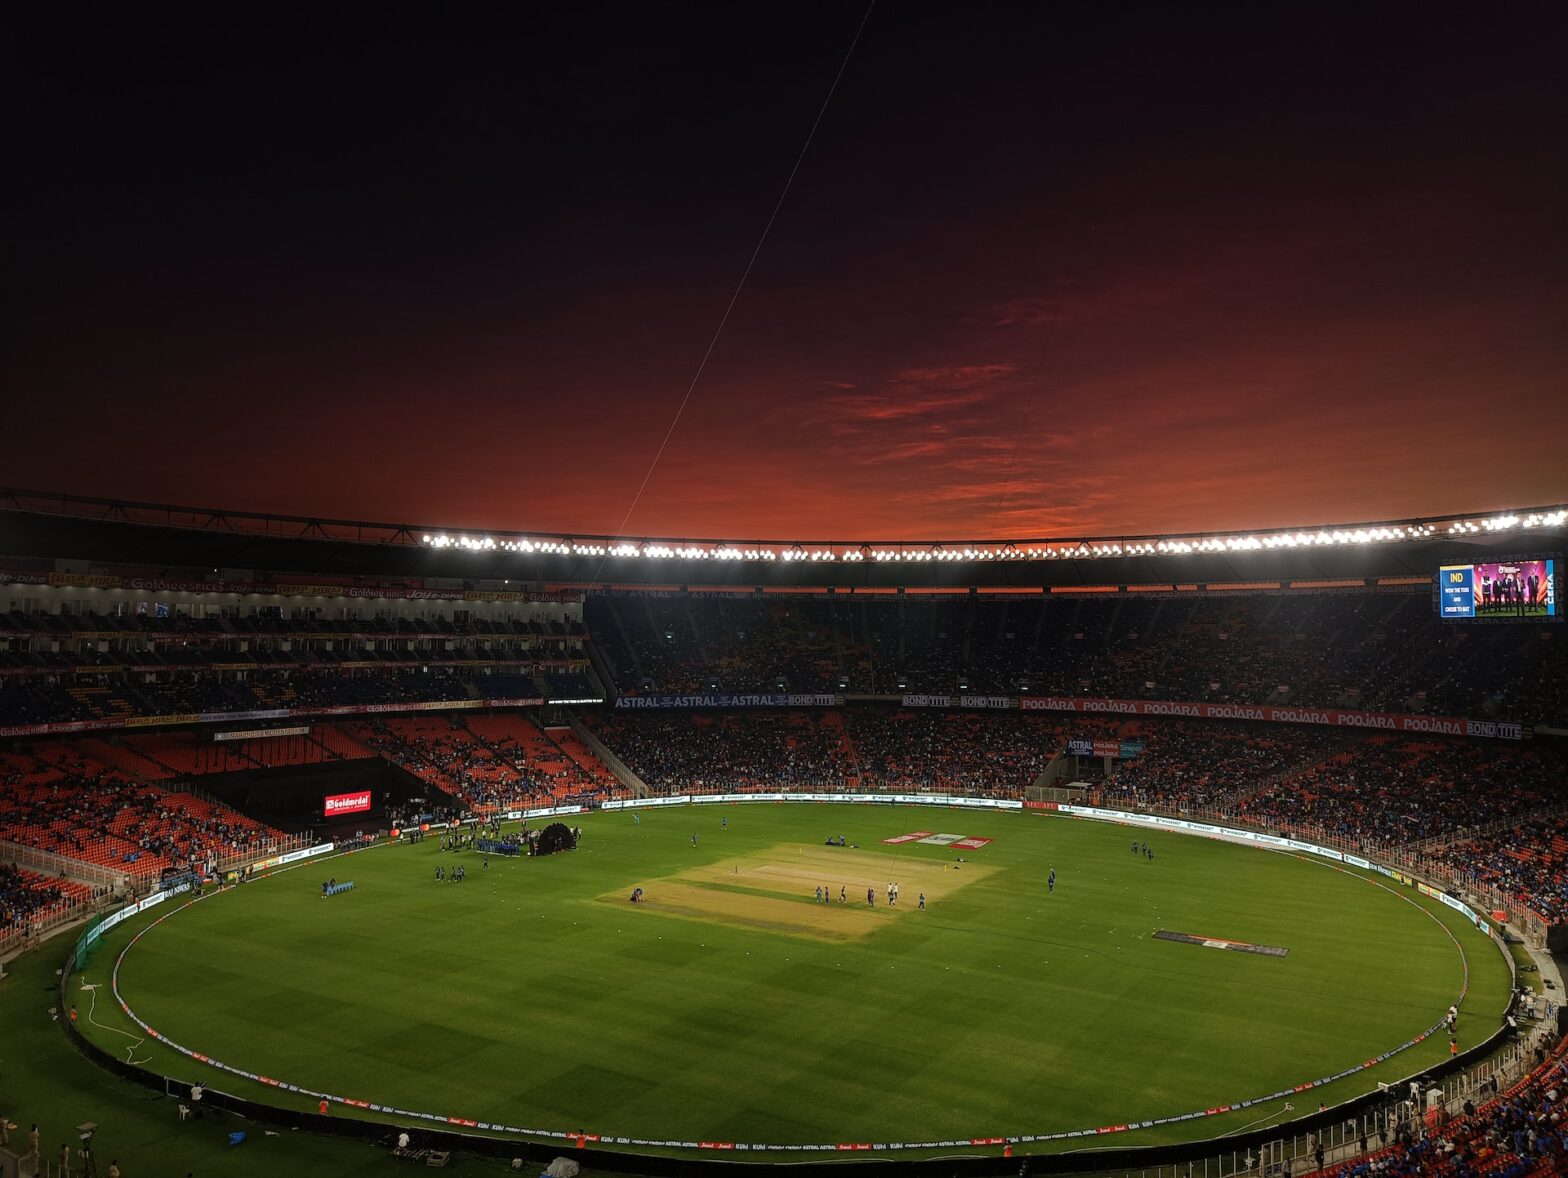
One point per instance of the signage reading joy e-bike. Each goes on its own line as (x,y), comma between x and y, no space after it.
(336,805)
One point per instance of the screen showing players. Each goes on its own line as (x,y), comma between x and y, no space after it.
(1505,590)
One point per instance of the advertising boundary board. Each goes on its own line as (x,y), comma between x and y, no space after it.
(615,1152)
(883,799)
(292,857)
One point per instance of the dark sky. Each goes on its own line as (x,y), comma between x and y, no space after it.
(1046,269)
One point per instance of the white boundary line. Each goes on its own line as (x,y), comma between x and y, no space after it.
(815,1147)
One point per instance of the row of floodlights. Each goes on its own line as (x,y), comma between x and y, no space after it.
(1064,550)
(1508,523)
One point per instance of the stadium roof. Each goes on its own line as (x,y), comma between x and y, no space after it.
(53,526)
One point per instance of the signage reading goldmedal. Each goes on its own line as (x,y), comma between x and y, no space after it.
(357,802)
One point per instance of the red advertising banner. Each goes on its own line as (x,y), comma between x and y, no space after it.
(357,802)
(1269,713)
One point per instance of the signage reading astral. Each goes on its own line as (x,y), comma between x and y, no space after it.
(1104,748)
(781,700)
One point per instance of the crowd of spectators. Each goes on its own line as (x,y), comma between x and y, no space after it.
(442,752)
(1519,1133)
(868,748)
(1374,650)
(26,897)
(491,763)
(262,654)
(1188,765)
(1393,791)
(37,699)
(691,645)
(1383,650)
(1528,862)
(686,752)
(57,797)
(971,753)
(273,622)
(98,801)
(1380,792)
(575,686)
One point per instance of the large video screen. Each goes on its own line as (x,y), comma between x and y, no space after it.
(1503,591)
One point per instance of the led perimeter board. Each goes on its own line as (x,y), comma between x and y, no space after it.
(1523,589)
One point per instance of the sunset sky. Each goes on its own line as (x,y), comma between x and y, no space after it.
(1046,269)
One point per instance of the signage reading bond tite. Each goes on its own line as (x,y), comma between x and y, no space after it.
(357,802)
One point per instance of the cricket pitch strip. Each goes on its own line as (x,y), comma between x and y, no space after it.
(775,890)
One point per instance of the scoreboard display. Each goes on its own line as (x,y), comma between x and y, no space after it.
(1522,590)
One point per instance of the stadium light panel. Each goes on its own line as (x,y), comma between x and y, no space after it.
(970,551)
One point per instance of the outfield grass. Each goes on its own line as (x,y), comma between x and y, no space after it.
(44,1081)
(533,995)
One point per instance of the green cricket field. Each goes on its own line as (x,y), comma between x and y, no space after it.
(733,1005)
